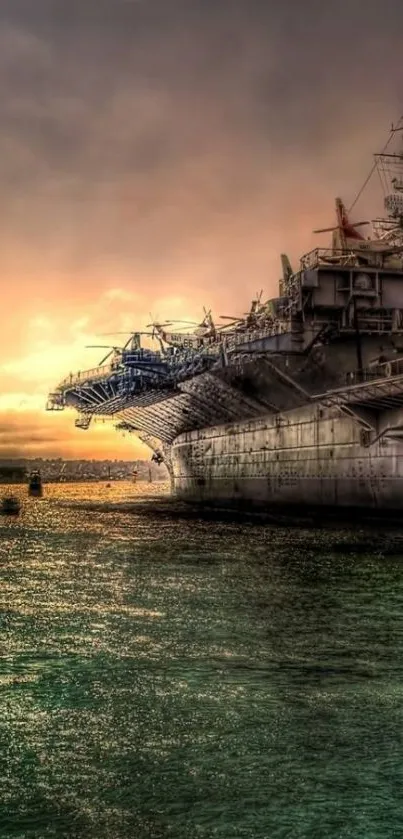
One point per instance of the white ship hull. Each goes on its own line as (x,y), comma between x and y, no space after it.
(309,457)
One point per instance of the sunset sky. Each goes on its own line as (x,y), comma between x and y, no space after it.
(159,155)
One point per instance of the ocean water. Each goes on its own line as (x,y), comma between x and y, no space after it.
(167,676)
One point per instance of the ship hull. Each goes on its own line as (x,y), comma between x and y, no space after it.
(308,457)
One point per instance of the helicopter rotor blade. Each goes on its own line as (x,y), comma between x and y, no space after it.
(128,341)
(104,347)
(227,325)
(339,227)
(325,230)
(105,358)
(172,323)
(156,324)
(184,328)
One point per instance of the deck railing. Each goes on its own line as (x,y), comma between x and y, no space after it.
(230,341)
(86,375)
(321,256)
(250,335)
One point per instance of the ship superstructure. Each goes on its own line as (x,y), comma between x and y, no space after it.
(300,400)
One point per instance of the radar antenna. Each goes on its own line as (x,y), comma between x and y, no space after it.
(390,170)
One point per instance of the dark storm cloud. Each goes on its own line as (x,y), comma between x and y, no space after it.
(22,435)
(138,131)
(30,433)
(97,89)
(105,87)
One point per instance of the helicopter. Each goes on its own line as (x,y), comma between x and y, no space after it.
(204,332)
(250,318)
(116,351)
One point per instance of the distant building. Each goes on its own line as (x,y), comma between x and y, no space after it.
(12,474)
(54,470)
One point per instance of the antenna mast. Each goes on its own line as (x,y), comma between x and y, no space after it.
(390,170)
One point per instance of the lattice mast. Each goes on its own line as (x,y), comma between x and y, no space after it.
(390,170)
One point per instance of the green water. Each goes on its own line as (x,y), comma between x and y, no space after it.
(183,678)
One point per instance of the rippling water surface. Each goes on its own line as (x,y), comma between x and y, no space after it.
(173,677)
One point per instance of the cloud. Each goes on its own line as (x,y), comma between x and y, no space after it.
(32,433)
(159,156)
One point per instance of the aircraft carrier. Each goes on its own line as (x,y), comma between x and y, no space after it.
(299,402)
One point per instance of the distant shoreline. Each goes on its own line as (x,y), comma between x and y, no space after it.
(142,480)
